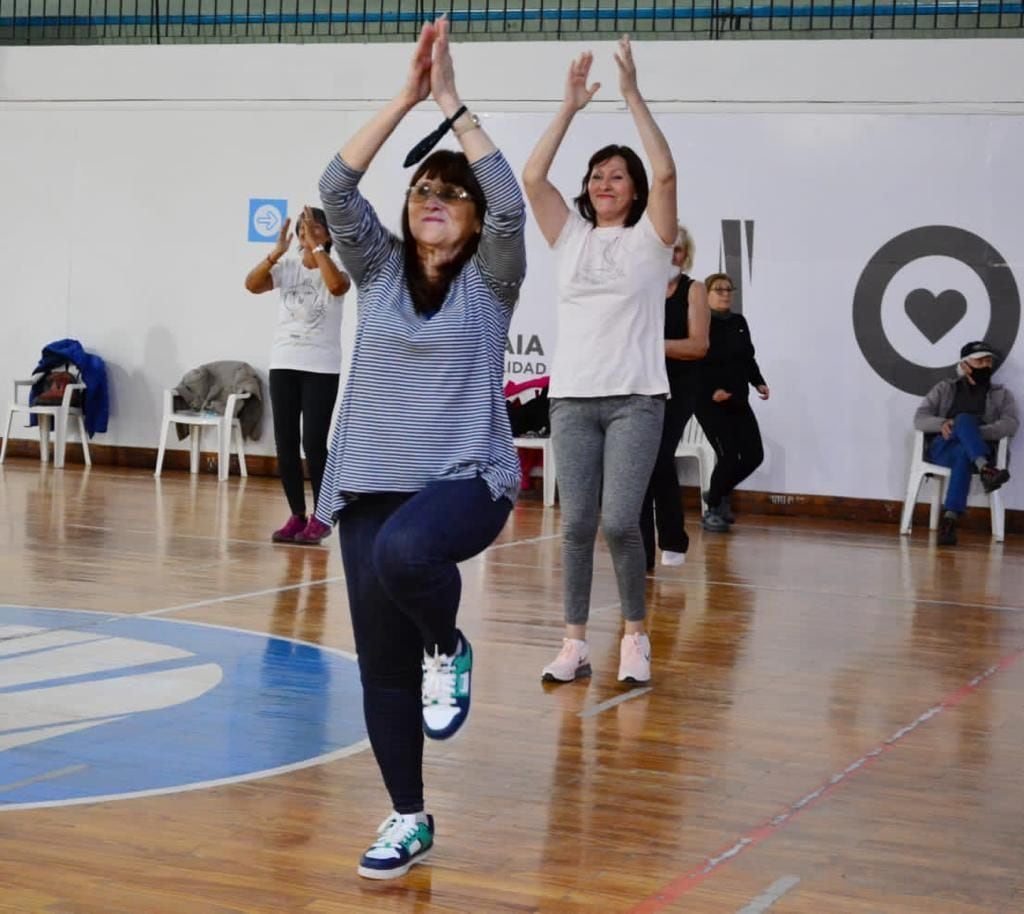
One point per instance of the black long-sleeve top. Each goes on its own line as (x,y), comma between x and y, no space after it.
(730,364)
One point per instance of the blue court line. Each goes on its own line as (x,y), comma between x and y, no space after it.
(814,11)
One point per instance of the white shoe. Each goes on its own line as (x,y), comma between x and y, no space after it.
(635,658)
(572,662)
(674,559)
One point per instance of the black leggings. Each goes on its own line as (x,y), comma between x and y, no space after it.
(733,433)
(663,504)
(309,395)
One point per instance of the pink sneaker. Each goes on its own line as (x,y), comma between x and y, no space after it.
(635,658)
(290,530)
(572,662)
(315,532)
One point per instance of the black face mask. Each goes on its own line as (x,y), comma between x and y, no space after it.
(982,376)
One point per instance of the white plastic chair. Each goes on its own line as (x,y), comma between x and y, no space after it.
(196,422)
(921,469)
(550,477)
(59,416)
(695,444)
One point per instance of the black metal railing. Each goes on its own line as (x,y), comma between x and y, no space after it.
(199,21)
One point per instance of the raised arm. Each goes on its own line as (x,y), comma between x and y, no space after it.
(661,204)
(259,279)
(336,281)
(362,241)
(360,150)
(548,206)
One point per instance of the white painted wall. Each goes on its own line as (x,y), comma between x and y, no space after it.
(126,174)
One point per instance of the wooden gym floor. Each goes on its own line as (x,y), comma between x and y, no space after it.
(835,725)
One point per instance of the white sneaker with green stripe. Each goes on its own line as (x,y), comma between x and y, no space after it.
(402,842)
(447,680)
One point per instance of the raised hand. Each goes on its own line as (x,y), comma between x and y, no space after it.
(284,239)
(577,93)
(417,83)
(313,233)
(627,68)
(442,70)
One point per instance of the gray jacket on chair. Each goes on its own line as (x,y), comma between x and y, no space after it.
(208,387)
(999,421)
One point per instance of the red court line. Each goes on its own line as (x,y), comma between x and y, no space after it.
(682,885)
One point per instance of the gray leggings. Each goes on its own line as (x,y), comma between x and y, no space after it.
(605,448)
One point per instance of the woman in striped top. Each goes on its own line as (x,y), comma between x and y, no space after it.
(422,471)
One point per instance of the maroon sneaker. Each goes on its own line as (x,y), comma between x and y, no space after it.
(315,532)
(291,530)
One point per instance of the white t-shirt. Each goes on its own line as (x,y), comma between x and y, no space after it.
(308,335)
(611,310)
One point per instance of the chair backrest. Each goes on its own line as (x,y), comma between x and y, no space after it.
(693,434)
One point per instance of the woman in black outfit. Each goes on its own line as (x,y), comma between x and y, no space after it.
(686,342)
(723,407)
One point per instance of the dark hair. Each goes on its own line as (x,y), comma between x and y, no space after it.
(449,167)
(636,171)
(318,216)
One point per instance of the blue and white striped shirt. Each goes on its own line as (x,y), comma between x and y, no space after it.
(424,397)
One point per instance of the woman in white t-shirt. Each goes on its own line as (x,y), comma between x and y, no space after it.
(305,363)
(608,380)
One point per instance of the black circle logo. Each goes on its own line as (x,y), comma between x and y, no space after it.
(893,256)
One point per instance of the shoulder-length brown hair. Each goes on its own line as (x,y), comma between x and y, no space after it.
(449,167)
(636,171)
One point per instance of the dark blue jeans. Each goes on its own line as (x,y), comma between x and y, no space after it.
(959,453)
(400,552)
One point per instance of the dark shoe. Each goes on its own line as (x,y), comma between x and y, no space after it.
(714,522)
(992,479)
(725,510)
(947,531)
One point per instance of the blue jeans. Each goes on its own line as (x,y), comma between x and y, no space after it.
(400,551)
(959,453)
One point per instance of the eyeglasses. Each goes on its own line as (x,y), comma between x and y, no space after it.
(446,193)
(723,290)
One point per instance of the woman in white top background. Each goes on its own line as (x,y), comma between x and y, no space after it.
(608,380)
(305,362)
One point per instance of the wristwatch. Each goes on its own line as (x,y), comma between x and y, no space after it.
(474,122)
(319,249)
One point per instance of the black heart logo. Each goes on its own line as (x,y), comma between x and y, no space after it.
(935,315)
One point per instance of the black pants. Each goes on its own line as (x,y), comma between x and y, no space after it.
(733,433)
(400,553)
(663,503)
(310,396)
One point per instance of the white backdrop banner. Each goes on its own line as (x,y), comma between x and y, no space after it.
(868,248)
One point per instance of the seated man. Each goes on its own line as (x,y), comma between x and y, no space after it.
(967,415)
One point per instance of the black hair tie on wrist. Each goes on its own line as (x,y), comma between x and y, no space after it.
(431,139)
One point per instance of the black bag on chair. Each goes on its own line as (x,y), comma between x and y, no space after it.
(55,382)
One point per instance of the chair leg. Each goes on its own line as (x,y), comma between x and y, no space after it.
(7,434)
(998,511)
(550,478)
(60,439)
(910,502)
(44,438)
(85,441)
(937,493)
(223,448)
(194,435)
(162,450)
(242,471)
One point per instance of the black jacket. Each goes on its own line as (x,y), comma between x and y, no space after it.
(730,364)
